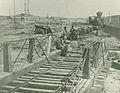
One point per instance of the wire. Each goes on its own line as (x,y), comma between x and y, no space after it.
(19,53)
(14,11)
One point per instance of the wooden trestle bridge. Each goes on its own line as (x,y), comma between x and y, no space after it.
(82,70)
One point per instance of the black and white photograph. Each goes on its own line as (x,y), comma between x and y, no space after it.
(59,46)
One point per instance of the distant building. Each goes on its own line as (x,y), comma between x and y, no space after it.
(112,20)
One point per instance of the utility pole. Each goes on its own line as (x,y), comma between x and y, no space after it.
(14,11)
(28,7)
(109,18)
(25,8)
(47,19)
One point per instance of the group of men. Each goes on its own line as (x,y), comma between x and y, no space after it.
(73,34)
(42,30)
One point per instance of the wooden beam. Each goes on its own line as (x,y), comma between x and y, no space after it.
(95,56)
(30,51)
(97,53)
(86,64)
(102,47)
(6,57)
(49,45)
(1,57)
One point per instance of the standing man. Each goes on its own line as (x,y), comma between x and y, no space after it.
(73,34)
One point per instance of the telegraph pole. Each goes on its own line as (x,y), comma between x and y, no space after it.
(109,17)
(47,19)
(26,6)
(14,11)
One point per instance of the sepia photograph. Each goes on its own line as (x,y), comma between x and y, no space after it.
(59,46)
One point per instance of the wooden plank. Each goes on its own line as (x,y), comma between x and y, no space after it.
(31,90)
(79,85)
(3,91)
(86,87)
(27,37)
(57,73)
(44,84)
(74,52)
(27,77)
(47,79)
(86,64)
(52,76)
(34,90)
(40,78)
(49,45)
(36,82)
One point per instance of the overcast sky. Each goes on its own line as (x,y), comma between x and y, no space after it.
(62,8)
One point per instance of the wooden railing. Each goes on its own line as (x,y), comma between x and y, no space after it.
(34,46)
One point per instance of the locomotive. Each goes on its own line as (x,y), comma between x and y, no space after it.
(97,21)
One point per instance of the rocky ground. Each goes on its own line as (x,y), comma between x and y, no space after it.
(112,84)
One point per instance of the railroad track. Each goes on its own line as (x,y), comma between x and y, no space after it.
(48,78)
(61,75)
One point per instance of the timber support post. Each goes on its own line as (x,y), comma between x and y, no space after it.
(6,57)
(49,45)
(86,62)
(97,53)
(31,49)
